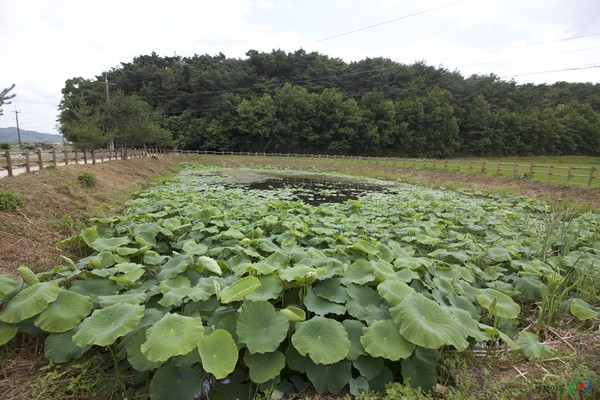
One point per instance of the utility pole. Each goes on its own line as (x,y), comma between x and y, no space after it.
(18,131)
(111,142)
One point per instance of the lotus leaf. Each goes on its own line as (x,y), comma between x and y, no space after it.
(330,378)
(173,335)
(209,264)
(174,267)
(393,291)
(294,314)
(260,327)
(264,367)
(7,332)
(424,322)
(218,352)
(7,285)
(321,306)
(382,339)
(332,290)
(358,386)
(369,367)
(270,288)
(175,383)
(59,347)
(530,347)
(419,373)
(65,313)
(324,340)
(29,302)
(582,311)
(354,329)
(239,289)
(498,303)
(105,325)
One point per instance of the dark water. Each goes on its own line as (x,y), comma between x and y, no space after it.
(317,191)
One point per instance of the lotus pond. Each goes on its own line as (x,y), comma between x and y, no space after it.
(208,286)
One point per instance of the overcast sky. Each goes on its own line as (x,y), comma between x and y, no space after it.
(43,43)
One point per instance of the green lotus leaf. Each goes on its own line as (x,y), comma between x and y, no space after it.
(382,339)
(379,383)
(239,289)
(209,264)
(359,272)
(354,329)
(105,325)
(295,361)
(173,335)
(582,310)
(366,304)
(270,288)
(89,235)
(192,248)
(110,244)
(174,267)
(503,336)
(131,297)
(65,313)
(218,352)
(530,288)
(29,302)
(358,386)
(332,290)
(94,287)
(393,291)
(499,304)
(324,340)
(260,327)
(330,378)
(172,224)
(365,247)
(321,306)
(369,367)
(530,347)
(424,322)
(135,356)
(175,383)
(294,314)
(469,325)
(264,367)
(498,254)
(418,372)
(7,332)
(383,271)
(59,347)
(7,285)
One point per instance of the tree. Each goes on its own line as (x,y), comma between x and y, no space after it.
(85,131)
(5,96)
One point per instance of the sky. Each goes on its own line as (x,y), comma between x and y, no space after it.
(43,43)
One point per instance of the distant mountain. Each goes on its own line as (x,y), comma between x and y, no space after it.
(10,135)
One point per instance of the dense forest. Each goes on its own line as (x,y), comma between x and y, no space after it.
(308,102)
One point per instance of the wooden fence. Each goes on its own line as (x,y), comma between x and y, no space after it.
(569,174)
(38,159)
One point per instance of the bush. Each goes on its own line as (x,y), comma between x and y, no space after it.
(87,179)
(5,146)
(9,201)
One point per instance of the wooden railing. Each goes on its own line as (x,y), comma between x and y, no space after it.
(559,173)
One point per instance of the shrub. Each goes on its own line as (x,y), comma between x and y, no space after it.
(5,146)
(87,179)
(9,201)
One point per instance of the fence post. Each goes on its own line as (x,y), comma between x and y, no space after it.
(515,171)
(483,169)
(66,154)
(76,156)
(498,169)
(40,158)
(531,169)
(549,172)
(54,157)
(470,166)
(570,174)
(591,178)
(8,163)
(27,166)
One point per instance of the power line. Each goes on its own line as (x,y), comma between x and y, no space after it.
(553,70)
(390,21)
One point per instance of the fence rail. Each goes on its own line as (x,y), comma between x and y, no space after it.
(586,175)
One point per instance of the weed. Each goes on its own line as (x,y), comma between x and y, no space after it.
(10,201)
(50,167)
(88,179)
(4,146)
(65,188)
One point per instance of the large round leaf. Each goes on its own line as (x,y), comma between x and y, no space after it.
(7,332)
(324,340)
(424,322)
(382,339)
(330,378)
(239,289)
(264,367)
(175,383)
(7,284)
(260,327)
(531,348)
(65,313)
(134,352)
(418,372)
(173,335)
(499,304)
(218,352)
(59,347)
(354,329)
(104,326)
(369,367)
(29,302)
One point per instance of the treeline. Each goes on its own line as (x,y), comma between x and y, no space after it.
(309,102)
